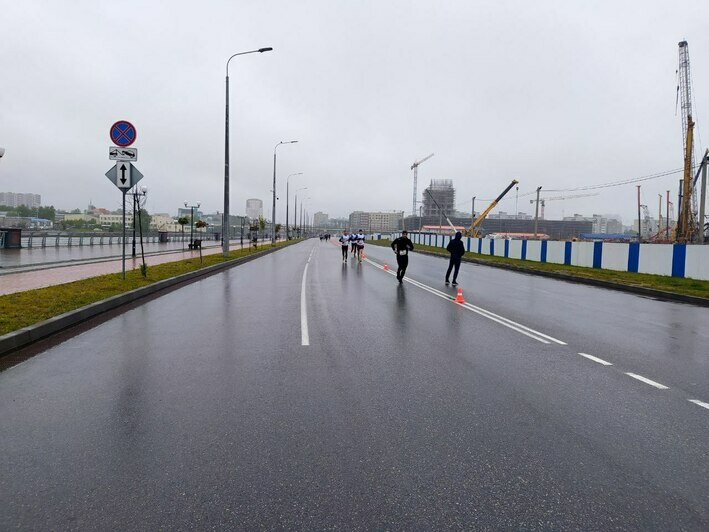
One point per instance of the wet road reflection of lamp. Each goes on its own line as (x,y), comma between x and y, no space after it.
(225,222)
(192,208)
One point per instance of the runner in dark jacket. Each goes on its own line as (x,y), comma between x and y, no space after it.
(456,248)
(401,247)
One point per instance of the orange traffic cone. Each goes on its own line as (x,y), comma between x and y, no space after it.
(459,298)
(386,267)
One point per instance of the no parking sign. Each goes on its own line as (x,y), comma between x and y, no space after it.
(123,133)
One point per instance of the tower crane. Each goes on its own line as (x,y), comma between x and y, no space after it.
(542,201)
(686,223)
(415,168)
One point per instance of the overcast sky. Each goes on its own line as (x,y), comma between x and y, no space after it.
(553,93)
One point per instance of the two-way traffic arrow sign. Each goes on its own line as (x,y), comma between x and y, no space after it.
(124,175)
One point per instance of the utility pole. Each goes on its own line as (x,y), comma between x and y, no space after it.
(536,213)
(640,227)
(703,197)
(659,215)
(667,218)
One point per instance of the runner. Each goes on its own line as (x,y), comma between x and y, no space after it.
(401,247)
(360,245)
(344,244)
(457,249)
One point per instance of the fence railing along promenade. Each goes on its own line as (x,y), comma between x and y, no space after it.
(45,239)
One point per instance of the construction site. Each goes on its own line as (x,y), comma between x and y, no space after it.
(677,216)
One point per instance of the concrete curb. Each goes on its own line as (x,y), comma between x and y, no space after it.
(639,290)
(21,338)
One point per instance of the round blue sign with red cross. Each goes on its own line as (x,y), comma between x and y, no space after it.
(123,133)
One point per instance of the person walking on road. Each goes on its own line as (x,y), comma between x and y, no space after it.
(401,247)
(344,245)
(456,248)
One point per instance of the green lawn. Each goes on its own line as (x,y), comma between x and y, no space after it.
(673,285)
(26,308)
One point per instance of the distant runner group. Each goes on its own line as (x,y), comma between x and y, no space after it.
(354,244)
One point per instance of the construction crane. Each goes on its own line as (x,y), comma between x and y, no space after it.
(542,201)
(474,229)
(687,220)
(415,168)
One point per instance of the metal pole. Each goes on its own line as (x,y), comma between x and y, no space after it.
(123,261)
(703,197)
(191,226)
(295,214)
(472,215)
(640,227)
(287,194)
(536,213)
(659,215)
(667,218)
(134,200)
(225,221)
(680,219)
(273,214)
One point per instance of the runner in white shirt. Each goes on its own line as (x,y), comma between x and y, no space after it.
(344,244)
(360,245)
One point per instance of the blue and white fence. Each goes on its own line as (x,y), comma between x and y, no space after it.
(676,260)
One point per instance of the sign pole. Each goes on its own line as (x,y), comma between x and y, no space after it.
(123,262)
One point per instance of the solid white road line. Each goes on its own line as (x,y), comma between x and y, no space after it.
(647,381)
(698,402)
(304,335)
(596,359)
(518,327)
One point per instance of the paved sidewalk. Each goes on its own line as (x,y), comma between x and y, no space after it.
(29,280)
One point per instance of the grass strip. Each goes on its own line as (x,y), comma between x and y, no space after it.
(673,285)
(22,309)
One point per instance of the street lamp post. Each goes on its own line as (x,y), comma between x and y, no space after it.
(287,197)
(136,204)
(295,209)
(273,213)
(225,221)
(192,208)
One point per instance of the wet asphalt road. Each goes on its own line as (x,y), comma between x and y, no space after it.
(201,408)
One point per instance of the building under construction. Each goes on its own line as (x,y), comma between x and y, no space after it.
(440,192)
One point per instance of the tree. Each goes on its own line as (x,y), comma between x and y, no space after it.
(261,223)
(183,221)
(278,228)
(199,224)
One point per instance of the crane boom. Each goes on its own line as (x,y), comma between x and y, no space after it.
(474,229)
(686,224)
(415,168)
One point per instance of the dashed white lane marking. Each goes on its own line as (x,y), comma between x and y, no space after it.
(304,335)
(518,327)
(700,403)
(596,359)
(646,380)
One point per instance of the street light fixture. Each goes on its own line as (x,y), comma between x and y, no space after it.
(225,222)
(301,212)
(136,205)
(295,209)
(287,197)
(192,208)
(273,214)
